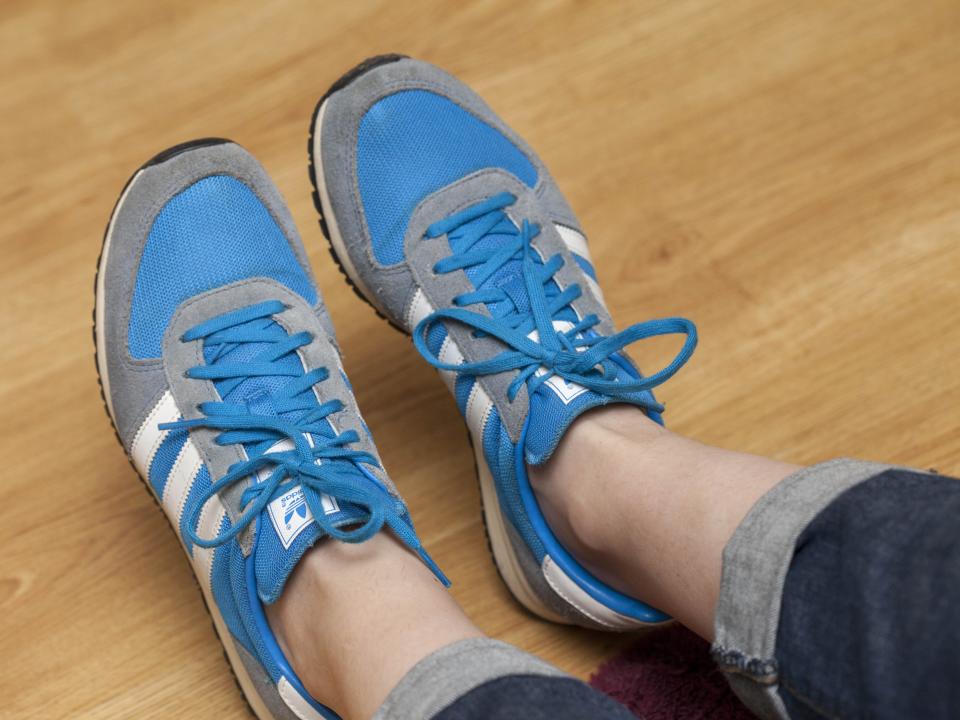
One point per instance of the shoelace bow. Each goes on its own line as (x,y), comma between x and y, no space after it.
(576,354)
(315,456)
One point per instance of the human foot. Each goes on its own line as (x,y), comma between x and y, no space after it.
(354,618)
(220,372)
(649,511)
(432,205)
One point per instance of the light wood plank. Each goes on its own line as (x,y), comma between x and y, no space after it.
(787,175)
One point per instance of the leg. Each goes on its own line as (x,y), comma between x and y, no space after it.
(649,511)
(353,621)
(368,626)
(657,516)
(882,561)
(830,591)
(351,642)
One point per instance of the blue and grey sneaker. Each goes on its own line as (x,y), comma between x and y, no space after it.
(221,374)
(447,222)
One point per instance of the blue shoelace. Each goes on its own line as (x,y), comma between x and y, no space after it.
(577,354)
(320,461)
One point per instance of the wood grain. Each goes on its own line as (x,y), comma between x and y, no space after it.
(785,174)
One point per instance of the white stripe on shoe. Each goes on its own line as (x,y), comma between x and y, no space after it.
(149,437)
(211,520)
(479,405)
(575,241)
(450,354)
(578,598)
(296,702)
(595,289)
(419,308)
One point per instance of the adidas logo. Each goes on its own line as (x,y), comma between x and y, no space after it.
(290,514)
(298,508)
(564,390)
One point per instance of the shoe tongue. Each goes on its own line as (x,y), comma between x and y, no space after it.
(286,529)
(509,277)
(556,403)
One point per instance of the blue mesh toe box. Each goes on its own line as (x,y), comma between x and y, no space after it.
(411,144)
(214,232)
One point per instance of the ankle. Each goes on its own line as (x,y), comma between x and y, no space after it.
(288,618)
(354,618)
(647,511)
(572,486)
(619,421)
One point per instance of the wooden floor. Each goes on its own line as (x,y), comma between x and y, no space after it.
(785,174)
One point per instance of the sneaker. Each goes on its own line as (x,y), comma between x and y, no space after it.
(220,372)
(450,226)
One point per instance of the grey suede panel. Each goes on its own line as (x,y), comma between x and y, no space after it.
(179,356)
(755,565)
(342,115)
(394,287)
(423,253)
(451,672)
(135,383)
(266,688)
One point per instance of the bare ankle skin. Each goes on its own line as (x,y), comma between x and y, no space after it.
(645,510)
(354,618)
(648,511)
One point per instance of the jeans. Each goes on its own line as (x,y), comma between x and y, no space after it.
(871,605)
(840,599)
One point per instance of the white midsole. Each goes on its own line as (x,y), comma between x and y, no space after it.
(239,669)
(503,553)
(100,306)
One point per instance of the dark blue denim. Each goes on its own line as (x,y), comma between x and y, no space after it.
(870,621)
(869,624)
(534,697)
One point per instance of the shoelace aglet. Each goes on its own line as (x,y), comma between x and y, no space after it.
(434,568)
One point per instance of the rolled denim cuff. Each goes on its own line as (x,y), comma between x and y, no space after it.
(447,674)
(755,565)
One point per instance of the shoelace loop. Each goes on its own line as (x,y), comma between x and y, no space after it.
(297,445)
(535,346)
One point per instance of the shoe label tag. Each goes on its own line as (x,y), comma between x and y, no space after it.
(566,391)
(290,514)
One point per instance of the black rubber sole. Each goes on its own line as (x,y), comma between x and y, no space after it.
(157,159)
(340,84)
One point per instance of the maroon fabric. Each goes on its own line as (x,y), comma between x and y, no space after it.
(668,675)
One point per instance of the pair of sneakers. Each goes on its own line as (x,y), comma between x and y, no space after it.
(221,373)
